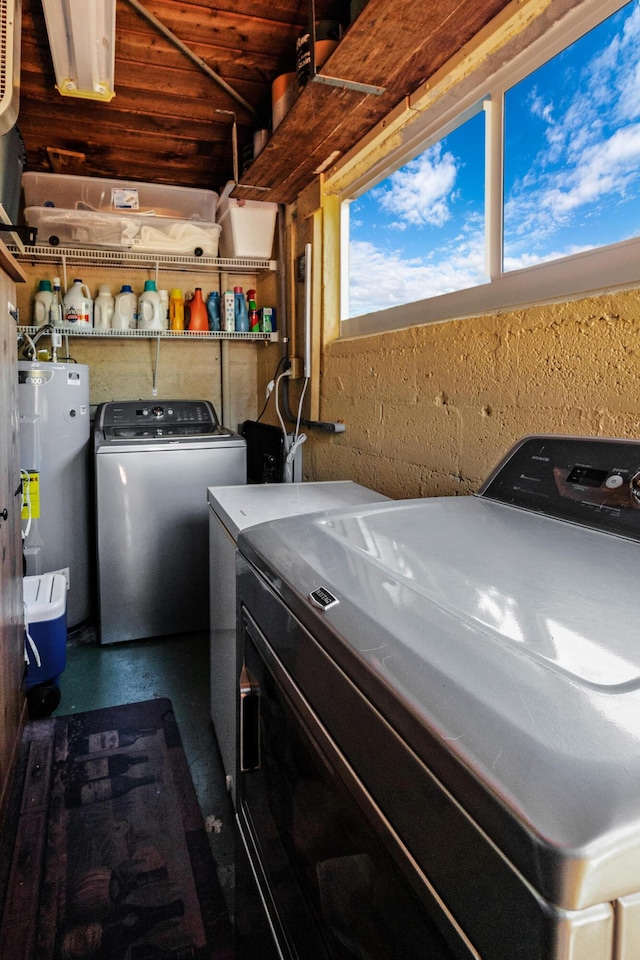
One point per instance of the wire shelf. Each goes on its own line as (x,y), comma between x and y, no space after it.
(176,263)
(155,334)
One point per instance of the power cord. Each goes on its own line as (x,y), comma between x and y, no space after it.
(291,444)
(26,499)
(29,639)
(270,387)
(285,373)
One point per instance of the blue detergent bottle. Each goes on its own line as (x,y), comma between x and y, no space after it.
(213,310)
(241,313)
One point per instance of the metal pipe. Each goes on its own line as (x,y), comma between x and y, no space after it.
(155,368)
(177,42)
(282,278)
(307,309)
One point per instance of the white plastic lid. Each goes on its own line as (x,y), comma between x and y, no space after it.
(45,596)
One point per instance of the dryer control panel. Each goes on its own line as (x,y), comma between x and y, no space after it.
(587,480)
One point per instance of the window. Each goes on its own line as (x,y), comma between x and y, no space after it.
(572,147)
(422,228)
(531,192)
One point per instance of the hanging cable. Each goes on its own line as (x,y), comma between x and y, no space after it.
(270,387)
(26,499)
(293,443)
(285,373)
(29,640)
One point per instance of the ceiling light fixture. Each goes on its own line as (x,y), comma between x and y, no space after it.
(82,39)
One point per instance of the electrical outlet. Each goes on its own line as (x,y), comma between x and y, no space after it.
(296,367)
(65,573)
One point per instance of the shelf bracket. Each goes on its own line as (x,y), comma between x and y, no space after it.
(28,235)
(348,84)
(154,391)
(325,78)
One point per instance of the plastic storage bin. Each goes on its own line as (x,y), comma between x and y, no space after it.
(248,228)
(56,225)
(124,197)
(45,598)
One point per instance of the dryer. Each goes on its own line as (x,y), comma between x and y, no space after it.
(440,717)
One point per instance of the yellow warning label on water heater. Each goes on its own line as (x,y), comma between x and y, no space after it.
(31,496)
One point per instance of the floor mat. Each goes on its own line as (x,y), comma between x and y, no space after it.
(105,850)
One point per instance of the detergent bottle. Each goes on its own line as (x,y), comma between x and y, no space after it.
(124,312)
(198,317)
(213,309)
(150,313)
(42,303)
(241,315)
(176,310)
(103,308)
(77,306)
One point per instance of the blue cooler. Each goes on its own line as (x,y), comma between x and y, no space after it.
(45,597)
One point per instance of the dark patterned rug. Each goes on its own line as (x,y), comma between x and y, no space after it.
(104,853)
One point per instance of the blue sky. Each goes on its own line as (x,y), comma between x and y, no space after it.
(572,179)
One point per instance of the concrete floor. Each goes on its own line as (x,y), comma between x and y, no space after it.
(174,667)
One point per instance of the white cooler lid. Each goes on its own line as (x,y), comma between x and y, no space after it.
(45,596)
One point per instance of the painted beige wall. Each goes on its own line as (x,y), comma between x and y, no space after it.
(430,410)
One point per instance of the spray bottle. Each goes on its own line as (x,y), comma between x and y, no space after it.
(55,309)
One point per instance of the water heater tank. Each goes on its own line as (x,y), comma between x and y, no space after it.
(54,434)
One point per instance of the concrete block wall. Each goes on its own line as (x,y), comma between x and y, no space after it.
(430,410)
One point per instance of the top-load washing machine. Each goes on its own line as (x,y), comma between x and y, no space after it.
(439,717)
(154,460)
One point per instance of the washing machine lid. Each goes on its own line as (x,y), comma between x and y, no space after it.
(510,638)
(154,431)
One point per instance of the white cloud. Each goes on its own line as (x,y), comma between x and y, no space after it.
(421,192)
(532,259)
(409,280)
(592,147)
(603,169)
(539,108)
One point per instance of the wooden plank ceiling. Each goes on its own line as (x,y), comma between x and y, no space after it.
(164,123)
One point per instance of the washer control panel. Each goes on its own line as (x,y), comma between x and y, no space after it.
(131,413)
(587,480)
(153,419)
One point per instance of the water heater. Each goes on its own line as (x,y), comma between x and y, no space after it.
(54,434)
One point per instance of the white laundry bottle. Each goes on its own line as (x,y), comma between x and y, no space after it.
(164,298)
(77,306)
(103,308)
(124,312)
(42,303)
(150,311)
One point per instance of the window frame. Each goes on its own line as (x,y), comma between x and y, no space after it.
(432,113)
